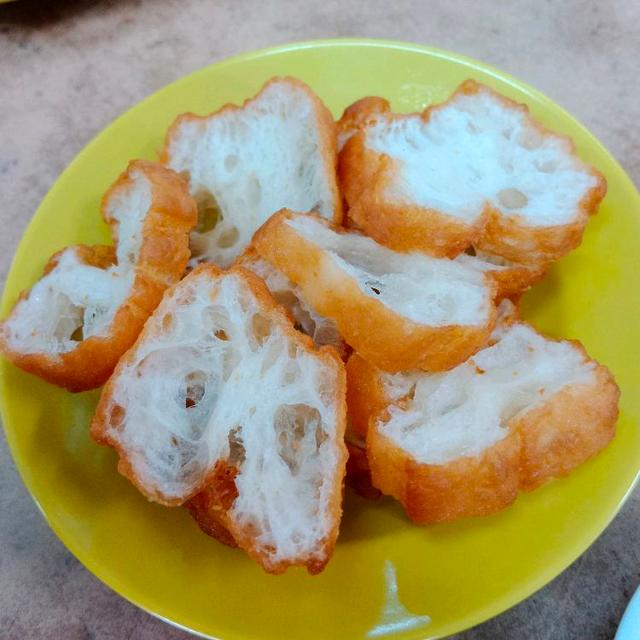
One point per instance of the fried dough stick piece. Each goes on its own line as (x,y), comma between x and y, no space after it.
(91,302)
(276,150)
(397,310)
(224,406)
(462,443)
(476,169)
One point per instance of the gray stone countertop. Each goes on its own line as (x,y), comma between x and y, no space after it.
(69,67)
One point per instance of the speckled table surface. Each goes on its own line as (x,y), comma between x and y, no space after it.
(67,68)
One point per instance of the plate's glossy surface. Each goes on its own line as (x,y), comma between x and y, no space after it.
(387,577)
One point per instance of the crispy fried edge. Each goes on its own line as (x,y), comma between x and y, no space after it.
(546,442)
(210,507)
(324,122)
(513,281)
(516,278)
(85,366)
(468,486)
(365,174)
(465,487)
(380,335)
(162,260)
(359,115)
(216,520)
(553,435)
(365,398)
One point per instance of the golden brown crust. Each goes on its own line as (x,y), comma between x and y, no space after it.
(512,279)
(90,363)
(358,115)
(366,397)
(465,487)
(507,236)
(516,279)
(210,507)
(365,174)
(211,501)
(388,340)
(546,442)
(324,122)
(568,429)
(172,214)
(97,255)
(163,257)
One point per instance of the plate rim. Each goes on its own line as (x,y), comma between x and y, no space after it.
(496,607)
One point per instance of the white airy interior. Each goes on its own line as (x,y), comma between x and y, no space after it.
(322,330)
(75,301)
(463,411)
(244,165)
(477,150)
(217,378)
(430,291)
(128,207)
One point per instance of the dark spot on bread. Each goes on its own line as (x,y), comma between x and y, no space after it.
(237,452)
(77,335)
(374,285)
(195,388)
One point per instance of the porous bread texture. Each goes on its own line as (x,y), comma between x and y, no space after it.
(243,163)
(523,410)
(477,169)
(322,330)
(91,302)
(223,402)
(399,311)
(463,411)
(77,292)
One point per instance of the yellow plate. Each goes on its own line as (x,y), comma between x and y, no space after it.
(456,574)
